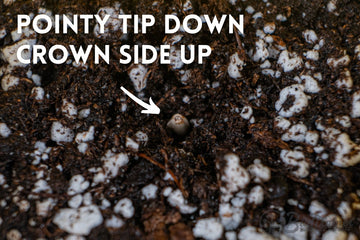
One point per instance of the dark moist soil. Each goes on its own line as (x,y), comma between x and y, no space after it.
(191,158)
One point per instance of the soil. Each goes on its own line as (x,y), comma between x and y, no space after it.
(192,158)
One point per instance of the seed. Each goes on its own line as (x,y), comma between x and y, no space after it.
(178,124)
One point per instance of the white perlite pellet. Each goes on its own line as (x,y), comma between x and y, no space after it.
(261,53)
(230,216)
(87,199)
(335,234)
(289,61)
(257,15)
(185,76)
(296,230)
(4,130)
(25,33)
(114,222)
(75,201)
(235,177)
(60,133)
(239,200)
(235,66)
(269,28)
(105,204)
(84,113)
(246,112)
(260,34)
(78,221)
(113,24)
(357,51)
(8,2)
(38,93)
(256,195)
(85,136)
(41,186)
(9,53)
(2,179)
(69,109)
(36,79)
(2,32)
(175,39)
(331,6)
(345,80)
(259,172)
(131,144)
(166,191)
(149,191)
(265,64)
(347,153)
(13,234)
(77,185)
(208,228)
(296,158)
(312,138)
(355,110)
(230,235)
(269,39)
(345,210)
(282,123)
(344,121)
(188,6)
(176,199)
(310,84)
(281,18)
(82,147)
(312,55)
(141,137)
(338,62)
(250,232)
(9,81)
(23,205)
(112,162)
(310,36)
(250,9)
(72,237)
(175,58)
(125,208)
(318,76)
(296,133)
(44,207)
(138,76)
(319,211)
(299,104)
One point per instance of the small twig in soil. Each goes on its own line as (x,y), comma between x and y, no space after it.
(238,40)
(241,49)
(166,159)
(26,80)
(45,229)
(167,94)
(164,136)
(315,223)
(303,181)
(202,160)
(178,184)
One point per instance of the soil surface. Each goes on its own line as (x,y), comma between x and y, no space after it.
(211,100)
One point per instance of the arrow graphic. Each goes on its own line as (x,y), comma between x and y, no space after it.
(149,108)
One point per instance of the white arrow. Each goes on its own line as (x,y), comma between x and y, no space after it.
(150,108)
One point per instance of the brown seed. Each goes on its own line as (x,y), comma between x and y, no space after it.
(178,124)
